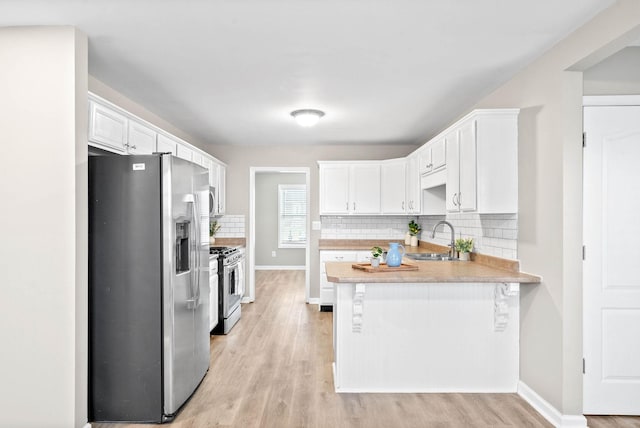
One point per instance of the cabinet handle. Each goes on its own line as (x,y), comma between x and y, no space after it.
(453,199)
(133,147)
(354,206)
(339,257)
(347,206)
(402,205)
(459,197)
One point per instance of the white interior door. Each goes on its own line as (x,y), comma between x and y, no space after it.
(612,262)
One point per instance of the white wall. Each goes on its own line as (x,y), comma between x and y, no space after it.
(617,75)
(43,189)
(267,221)
(550,207)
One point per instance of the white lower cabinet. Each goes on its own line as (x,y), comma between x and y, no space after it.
(326,287)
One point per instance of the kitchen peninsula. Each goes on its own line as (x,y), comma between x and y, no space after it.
(449,326)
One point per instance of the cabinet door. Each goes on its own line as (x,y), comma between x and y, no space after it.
(334,189)
(425,160)
(184,152)
(414,203)
(107,128)
(364,182)
(213,174)
(453,172)
(198,159)
(166,145)
(142,140)
(222,189)
(467,148)
(438,154)
(326,287)
(393,187)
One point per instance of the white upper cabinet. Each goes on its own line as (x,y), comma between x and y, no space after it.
(414,200)
(166,145)
(365,188)
(141,139)
(334,189)
(467,193)
(221,189)
(198,158)
(453,171)
(349,188)
(393,187)
(482,163)
(107,128)
(432,156)
(184,152)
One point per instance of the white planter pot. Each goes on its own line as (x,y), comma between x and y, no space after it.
(375,262)
(414,241)
(464,256)
(212,240)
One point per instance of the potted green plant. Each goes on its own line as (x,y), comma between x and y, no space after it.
(213,228)
(414,231)
(376,252)
(464,247)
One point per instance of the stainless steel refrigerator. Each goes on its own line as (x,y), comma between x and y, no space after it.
(148,285)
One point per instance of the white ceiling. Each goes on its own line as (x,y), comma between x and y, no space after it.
(384,71)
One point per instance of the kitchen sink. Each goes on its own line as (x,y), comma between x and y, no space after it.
(430,256)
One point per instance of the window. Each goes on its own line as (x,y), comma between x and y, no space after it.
(292,215)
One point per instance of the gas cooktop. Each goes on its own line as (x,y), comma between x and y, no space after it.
(222,251)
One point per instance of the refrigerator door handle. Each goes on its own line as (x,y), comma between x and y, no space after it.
(193,300)
(196,211)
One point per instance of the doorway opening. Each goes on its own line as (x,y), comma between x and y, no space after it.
(279,225)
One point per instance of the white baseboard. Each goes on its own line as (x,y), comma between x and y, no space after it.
(313,300)
(549,412)
(280,268)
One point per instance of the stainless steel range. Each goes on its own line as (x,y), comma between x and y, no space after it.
(230,286)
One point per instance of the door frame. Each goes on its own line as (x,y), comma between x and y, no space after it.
(252,226)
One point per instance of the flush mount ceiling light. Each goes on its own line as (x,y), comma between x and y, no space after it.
(307,117)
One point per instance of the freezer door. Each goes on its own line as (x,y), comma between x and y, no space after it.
(125,265)
(184,290)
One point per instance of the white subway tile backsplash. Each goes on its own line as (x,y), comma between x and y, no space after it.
(493,234)
(231,226)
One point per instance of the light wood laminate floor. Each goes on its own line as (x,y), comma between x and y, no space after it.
(274,370)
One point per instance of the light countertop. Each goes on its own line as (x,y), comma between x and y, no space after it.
(430,272)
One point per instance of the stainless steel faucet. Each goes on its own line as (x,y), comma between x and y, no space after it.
(453,234)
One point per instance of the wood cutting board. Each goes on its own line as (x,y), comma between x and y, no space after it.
(383,267)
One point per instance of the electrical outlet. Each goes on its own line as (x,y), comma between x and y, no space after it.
(273,254)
